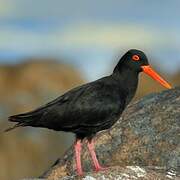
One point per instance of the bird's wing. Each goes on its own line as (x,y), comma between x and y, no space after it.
(91,104)
(38,114)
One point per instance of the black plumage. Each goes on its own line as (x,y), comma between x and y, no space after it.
(92,107)
(84,110)
(89,108)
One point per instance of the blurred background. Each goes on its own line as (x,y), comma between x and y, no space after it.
(48,47)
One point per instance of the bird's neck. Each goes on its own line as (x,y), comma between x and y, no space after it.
(127,80)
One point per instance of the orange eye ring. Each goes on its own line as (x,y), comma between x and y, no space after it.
(135,58)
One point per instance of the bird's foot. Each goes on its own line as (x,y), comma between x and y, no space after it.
(80,172)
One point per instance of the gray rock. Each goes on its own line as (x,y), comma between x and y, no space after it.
(147,134)
(128,173)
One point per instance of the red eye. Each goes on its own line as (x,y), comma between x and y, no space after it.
(135,58)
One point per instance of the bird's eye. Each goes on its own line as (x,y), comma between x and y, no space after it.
(135,58)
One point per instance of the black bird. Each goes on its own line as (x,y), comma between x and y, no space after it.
(92,107)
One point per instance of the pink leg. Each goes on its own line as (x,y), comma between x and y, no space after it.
(94,158)
(78,148)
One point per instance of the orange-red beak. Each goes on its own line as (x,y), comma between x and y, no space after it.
(149,71)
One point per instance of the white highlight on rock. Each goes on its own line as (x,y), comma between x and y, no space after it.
(124,175)
(140,172)
(170,177)
(89,178)
(133,177)
(171,174)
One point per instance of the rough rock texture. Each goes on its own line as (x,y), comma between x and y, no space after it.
(147,134)
(128,173)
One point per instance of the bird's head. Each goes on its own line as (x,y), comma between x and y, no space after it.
(137,61)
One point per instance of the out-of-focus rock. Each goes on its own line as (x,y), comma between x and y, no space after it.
(23,87)
(147,134)
(26,85)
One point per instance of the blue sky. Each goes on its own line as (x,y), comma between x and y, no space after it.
(90,34)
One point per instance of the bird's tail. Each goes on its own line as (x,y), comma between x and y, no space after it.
(16,118)
(25,119)
(13,127)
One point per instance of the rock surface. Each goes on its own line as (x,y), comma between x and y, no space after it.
(145,135)
(128,173)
